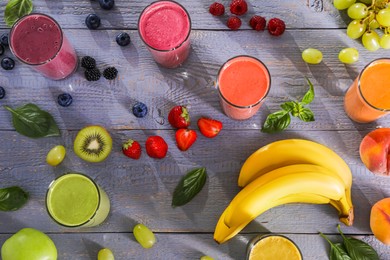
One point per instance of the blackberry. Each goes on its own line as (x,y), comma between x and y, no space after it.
(88,62)
(2,92)
(64,99)
(110,73)
(92,74)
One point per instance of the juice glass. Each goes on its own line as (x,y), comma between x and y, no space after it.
(243,83)
(38,41)
(368,98)
(165,27)
(75,200)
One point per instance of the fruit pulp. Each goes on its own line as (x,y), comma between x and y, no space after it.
(243,83)
(270,247)
(368,98)
(165,28)
(38,41)
(74,200)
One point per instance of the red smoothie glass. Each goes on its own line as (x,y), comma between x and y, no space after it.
(38,41)
(165,27)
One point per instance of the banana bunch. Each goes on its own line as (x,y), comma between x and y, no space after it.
(287,171)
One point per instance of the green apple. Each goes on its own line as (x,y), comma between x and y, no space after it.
(29,243)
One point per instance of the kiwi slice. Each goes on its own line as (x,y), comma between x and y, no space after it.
(93,144)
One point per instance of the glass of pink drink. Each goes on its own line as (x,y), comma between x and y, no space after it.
(165,27)
(243,83)
(38,41)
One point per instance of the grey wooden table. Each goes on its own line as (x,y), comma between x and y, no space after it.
(141,191)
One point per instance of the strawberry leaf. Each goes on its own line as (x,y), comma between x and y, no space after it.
(190,185)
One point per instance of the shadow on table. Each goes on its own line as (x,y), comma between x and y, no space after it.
(92,247)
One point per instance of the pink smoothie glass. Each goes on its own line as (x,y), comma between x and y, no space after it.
(165,27)
(38,41)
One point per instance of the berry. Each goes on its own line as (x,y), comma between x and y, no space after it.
(156,147)
(185,138)
(179,117)
(64,99)
(123,39)
(2,49)
(88,62)
(234,22)
(276,26)
(4,39)
(258,23)
(217,9)
(92,21)
(140,110)
(131,149)
(106,4)
(92,74)
(238,7)
(209,127)
(7,63)
(2,92)
(110,73)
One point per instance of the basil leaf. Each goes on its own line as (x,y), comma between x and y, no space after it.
(16,9)
(190,185)
(309,96)
(288,106)
(306,115)
(12,198)
(276,122)
(337,251)
(296,109)
(29,120)
(358,249)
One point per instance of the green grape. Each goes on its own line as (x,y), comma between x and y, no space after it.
(343,4)
(348,55)
(385,41)
(105,254)
(144,236)
(374,24)
(206,257)
(383,17)
(370,40)
(312,56)
(356,28)
(56,155)
(357,11)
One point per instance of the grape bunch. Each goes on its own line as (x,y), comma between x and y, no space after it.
(368,18)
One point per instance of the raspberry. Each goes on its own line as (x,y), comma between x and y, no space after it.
(276,26)
(234,22)
(238,7)
(217,9)
(92,74)
(258,23)
(110,73)
(88,62)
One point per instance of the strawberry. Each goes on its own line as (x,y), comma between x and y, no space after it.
(185,138)
(209,127)
(131,149)
(156,147)
(178,117)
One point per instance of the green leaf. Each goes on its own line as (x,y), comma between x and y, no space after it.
(297,107)
(337,251)
(276,122)
(12,198)
(16,9)
(358,249)
(190,185)
(306,115)
(288,106)
(29,120)
(309,96)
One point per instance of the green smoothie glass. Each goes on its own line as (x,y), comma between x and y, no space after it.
(75,200)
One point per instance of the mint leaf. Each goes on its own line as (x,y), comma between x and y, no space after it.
(190,185)
(12,198)
(276,122)
(309,96)
(306,115)
(337,251)
(16,9)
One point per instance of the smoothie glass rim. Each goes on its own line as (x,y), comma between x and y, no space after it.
(253,241)
(57,51)
(359,86)
(268,85)
(174,48)
(96,210)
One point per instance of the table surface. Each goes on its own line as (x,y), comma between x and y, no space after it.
(141,190)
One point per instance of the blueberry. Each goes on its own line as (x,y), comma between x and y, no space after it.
(1,49)
(4,39)
(106,4)
(65,99)
(7,63)
(2,92)
(92,21)
(123,39)
(140,110)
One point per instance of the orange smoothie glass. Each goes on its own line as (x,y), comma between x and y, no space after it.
(243,83)
(368,98)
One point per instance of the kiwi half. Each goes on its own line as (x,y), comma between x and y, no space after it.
(93,143)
